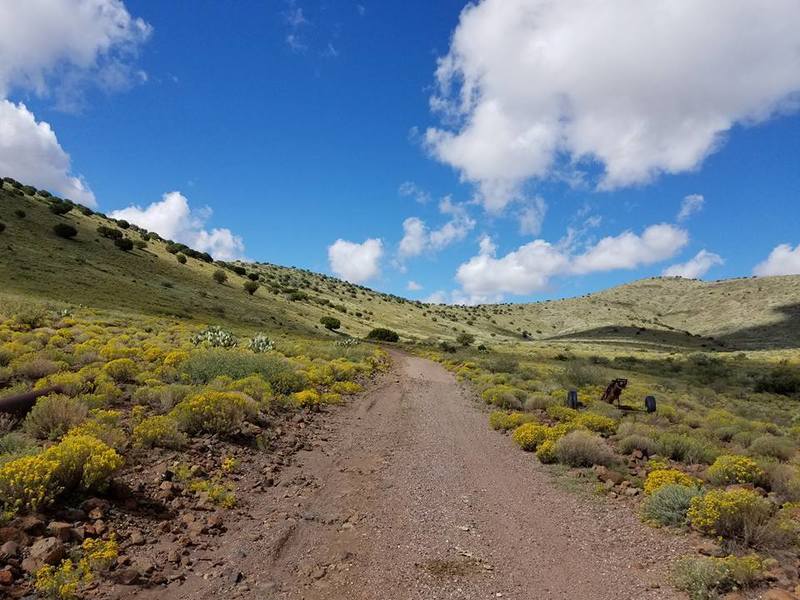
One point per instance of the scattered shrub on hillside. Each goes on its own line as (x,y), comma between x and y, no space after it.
(596,423)
(215,337)
(59,207)
(465,339)
(19,213)
(330,323)
(578,374)
(686,449)
(66,580)
(53,415)
(121,370)
(668,504)
(538,403)
(783,379)
(160,431)
(123,224)
(220,276)
(583,449)
(648,446)
(260,343)
(124,244)
(65,230)
(2,227)
(346,387)
(735,514)
(27,483)
(773,446)
(181,258)
(250,287)
(111,233)
(213,412)
(732,468)
(783,480)
(84,462)
(36,368)
(383,335)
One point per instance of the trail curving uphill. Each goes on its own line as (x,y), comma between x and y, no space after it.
(411,496)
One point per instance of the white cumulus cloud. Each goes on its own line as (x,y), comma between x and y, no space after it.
(531,267)
(172,218)
(30,152)
(629,250)
(413,286)
(690,205)
(783,260)
(531,216)
(696,266)
(70,42)
(417,238)
(639,88)
(58,48)
(356,262)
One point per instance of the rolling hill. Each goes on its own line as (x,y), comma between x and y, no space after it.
(747,313)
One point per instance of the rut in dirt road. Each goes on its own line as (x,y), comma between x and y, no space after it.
(409,495)
(422,500)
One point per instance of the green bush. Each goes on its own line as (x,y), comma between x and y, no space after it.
(19,213)
(669,504)
(205,366)
(783,380)
(53,415)
(214,412)
(250,287)
(383,335)
(632,442)
(504,396)
(65,230)
(465,339)
(330,323)
(773,446)
(123,224)
(220,276)
(112,233)
(124,244)
(181,258)
(737,514)
(583,449)
(60,207)
(686,449)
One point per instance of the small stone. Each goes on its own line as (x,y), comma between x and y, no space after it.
(136,537)
(9,550)
(47,551)
(6,577)
(126,576)
(30,524)
(60,530)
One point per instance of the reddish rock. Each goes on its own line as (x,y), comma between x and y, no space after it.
(9,550)
(47,551)
(6,577)
(60,530)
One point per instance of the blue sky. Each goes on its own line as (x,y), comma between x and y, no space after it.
(287,126)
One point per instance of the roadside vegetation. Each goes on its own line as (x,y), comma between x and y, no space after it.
(118,391)
(718,457)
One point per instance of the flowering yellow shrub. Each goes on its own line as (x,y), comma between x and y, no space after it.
(500,419)
(330,398)
(175,358)
(65,581)
(28,483)
(503,395)
(83,462)
(733,468)
(731,513)
(561,413)
(306,398)
(160,430)
(344,370)
(596,423)
(214,412)
(661,477)
(528,436)
(70,383)
(546,452)
(254,386)
(346,387)
(121,369)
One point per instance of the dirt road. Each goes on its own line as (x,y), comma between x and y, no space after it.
(409,495)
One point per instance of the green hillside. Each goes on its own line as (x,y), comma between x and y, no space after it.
(90,269)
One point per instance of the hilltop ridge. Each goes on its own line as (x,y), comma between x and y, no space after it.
(744,313)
